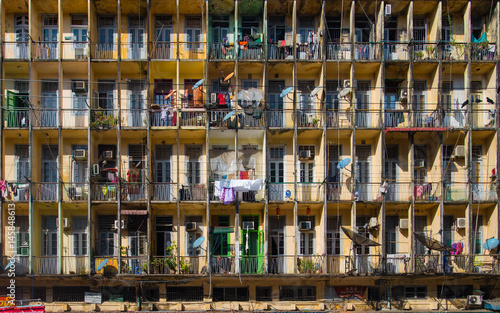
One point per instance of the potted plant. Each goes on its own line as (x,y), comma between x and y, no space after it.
(171,259)
(185,266)
(419,55)
(144,268)
(157,264)
(315,122)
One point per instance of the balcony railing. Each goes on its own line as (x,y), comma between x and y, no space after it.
(134,265)
(311,51)
(16,50)
(46,50)
(222,51)
(310,118)
(423,191)
(366,51)
(339,118)
(46,117)
(310,192)
(217,118)
(103,118)
(484,192)
(251,119)
(162,50)
(338,51)
(280,118)
(23,191)
(134,51)
(196,192)
(163,117)
(133,191)
(338,192)
(251,51)
(396,118)
(398,191)
(455,191)
(77,50)
(280,264)
(134,118)
(45,265)
(252,264)
(457,51)
(45,191)
(367,192)
(76,265)
(396,51)
(364,264)
(311,264)
(336,264)
(396,264)
(455,118)
(193,264)
(427,264)
(279,51)
(76,192)
(192,50)
(164,191)
(17,118)
(222,265)
(104,51)
(425,118)
(368,118)
(482,52)
(279,191)
(75,118)
(104,192)
(193,117)
(425,51)
(483,118)
(21,265)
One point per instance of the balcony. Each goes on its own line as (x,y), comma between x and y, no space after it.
(248,196)
(104,192)
(192,50)
(427,264)
(252,119)
(45,117)
(162,117)
(368,192)
(103,118)
(23,191)
(251,264)
(222,51)
(336,264)
(396,51)
(363,264)
(77,50)
(17,118)
(280,118)
(76,265)
(338,118)
(425,192)
(338,51)
(425,51)
(457,51)
(483,51)
(279,51)
(162,50)
(312,192)
(425,118)
(396,118)
(338,192)
(134,118)
(396,264)
(311,264)
(483,118)
(45,265)
(134,265)
(133,51)
(45,191)
(196,192)
(368,118)
(217,118)
(455,192)
(398,192)
(310,51)
(16,50)
(45,50)
(164,191)
(76,192)
(193,118)
(133,191)
(278,191)
(455,118)
(484,192)
(223,265)
(21,265)
(251,51)
(366,51)
(75,118)
(104,51)
(309,118)
(280,264)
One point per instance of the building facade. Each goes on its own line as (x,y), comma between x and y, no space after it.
(126,122)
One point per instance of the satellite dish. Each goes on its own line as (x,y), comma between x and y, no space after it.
(9,264)
(102,264)
(286,92)
(490,244)
(198,84)
(170,94)
(345,92)
(198,242)
(343,163)
(288,193)
(228,77)
(228,115)
(316,91)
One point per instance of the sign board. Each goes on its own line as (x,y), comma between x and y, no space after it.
(93,297)
(351,291)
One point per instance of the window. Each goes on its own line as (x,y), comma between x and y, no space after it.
(333,24)
(307,242)
(305,26)
(332,96)
(334,154)
(446,31)
(454,291)
(477,234)
(152,294)
(22,163)
(193,166)
(164,234)
(80,104)
(191,293)
(49,236)
(193,32)
(22,235)
(70,293)
(106,27)
(333,235)
(106,95)
(191,236)
(276,27)
(122,294)
(297,293)
(306,164)
(249,25)
(363,155)
(220,28)
(79,233)
(79,28)
(80,173)
(163,88)
(263,293)
(392,223)
(419,31)
(230,294)
(137,238)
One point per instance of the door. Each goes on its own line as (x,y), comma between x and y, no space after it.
(48,49)
(419,33)
(363,186)
(276,173)
(163,48)
(49,173)
(332,109)
(362,253)
(391,173)
(478,190)
(106,90)
(421,117)
(48,114)
(276,116)
(105,47)
(136,37)
(276,264)
(22,172)
(163,190)
(49,236)
(22,36)
(79,41)
(363,106)
(392,118)
(137,116)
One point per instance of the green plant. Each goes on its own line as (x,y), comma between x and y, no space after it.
(145,267)
(430,51)
(123,250)
(419,55)
(83,270)
(101,120)
(185,266)
(307,266)
(315,121)
(157,264)
(171,259)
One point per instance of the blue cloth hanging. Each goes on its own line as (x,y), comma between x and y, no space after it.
(483,38)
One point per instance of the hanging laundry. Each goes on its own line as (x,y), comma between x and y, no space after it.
(221,99)
(14,190)
(164,114)
(229,196)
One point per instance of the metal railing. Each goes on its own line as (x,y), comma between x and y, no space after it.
(222,51)
(277,51)
(339,118)
(251,51)
(368,192)
(278,191)
(134,265)
(367,118)
(338,192)
(483,118)
(21,264)
(280,264)
(396,51)
(163,191)
(16,50)
(17,118)
(76,265)
(162,50)
(457,51)
(222,265)
(335,264)
(398,192)
(216,119)
(103,118)
(163,117)
(310,192)
(311,264)
(425,118)
(193,117)
(364,264)
(46,191)
(45,265)
(310,118)
(311,51)
(76,50)
(192,264)
(396,264)
(162,265)
(455,118)
(423,191)
(196,192)
(45,50)
(76,192)
(133,51)
(396,118)
(104,192)
(74,118)
(133,191)
(366,51)
(134,118)
(484,192)
(425,51)
(105,51)
(192,50)
(455,191)
(251,264)
(251,120)
(427,264)
(280,118)
(338,51)
(45,117)
(482,52)
(22,193)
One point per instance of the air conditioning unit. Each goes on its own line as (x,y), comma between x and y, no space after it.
(248,226)
(474,300)
(65,222)
(108,154)
(403,223)
(373,222)
(123,224)
(403,94)
(347,83)
(305,225)
(213,98)
(80,154)
(459,151)
(190,226)
(418,163)
(80,85)
(388,9)
(306,154)
(96,169)
(461,222)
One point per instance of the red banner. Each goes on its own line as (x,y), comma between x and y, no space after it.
(351,291)
(24,309)
(5,301)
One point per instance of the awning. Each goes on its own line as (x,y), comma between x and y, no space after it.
(432,244)
(359,239)
(134,212)
(223,230)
